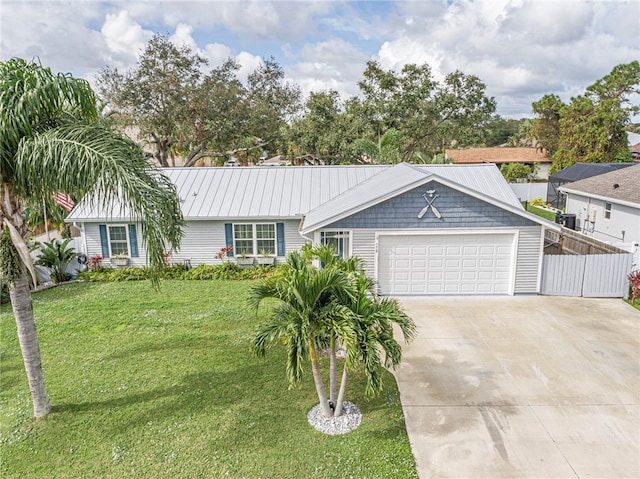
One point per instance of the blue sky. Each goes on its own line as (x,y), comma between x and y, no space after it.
(521,49)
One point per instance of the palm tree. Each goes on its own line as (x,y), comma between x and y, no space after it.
(372,319)
(52,139)
(327,308)
(302,316)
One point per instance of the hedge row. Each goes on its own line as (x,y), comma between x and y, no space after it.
(225,271)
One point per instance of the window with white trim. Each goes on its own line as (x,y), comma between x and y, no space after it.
(254,239)
(338,240)
(607,211)
(118,240)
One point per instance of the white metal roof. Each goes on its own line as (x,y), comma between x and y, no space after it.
(291,192)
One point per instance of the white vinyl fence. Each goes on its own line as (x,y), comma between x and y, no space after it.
(591,276)
(529,191)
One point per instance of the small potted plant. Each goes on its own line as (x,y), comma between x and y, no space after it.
(120,259)
(244,260)
(266,257)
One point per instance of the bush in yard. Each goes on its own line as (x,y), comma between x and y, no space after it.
(634,283)
(56,256)
(537,202)
(514,172)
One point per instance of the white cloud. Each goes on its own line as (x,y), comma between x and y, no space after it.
(216,53)
(329,65)
(248,63)
(522,49)
(182,37)
(124,36)
(42,30)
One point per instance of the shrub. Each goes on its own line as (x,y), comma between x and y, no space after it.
(514,172)
(225,271)
(56,256)
(634,283)
(95,262)
(537,202)
(219,271)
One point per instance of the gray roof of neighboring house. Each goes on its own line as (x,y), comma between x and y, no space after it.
(619,186)
(580,171)
(290,192)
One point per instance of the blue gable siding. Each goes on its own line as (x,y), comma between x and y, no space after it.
(458,210)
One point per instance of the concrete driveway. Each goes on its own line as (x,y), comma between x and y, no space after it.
(523,387)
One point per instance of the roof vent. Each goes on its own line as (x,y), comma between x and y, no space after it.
(616,185)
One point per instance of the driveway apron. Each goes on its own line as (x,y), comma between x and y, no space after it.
(522,387)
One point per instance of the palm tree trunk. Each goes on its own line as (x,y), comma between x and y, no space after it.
(317,379)
(28,338)
(332,372)
(343,388)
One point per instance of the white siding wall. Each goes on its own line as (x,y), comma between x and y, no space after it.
(623,218)
(292,239)
(364,246)
(528,259)
(201,242)
(91,237)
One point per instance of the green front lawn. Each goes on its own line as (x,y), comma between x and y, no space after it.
(162,384)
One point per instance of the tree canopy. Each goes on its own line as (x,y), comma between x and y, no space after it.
(591,128)
(182,110)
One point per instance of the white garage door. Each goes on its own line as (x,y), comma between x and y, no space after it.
(445,264)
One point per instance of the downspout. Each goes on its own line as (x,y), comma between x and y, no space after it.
(310,240)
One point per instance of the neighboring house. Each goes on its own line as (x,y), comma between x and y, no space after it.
(277,160)
(576,172)
(607,206)
(633,141)
(502,155)
(436,229)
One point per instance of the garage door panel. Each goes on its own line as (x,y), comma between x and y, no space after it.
(445,264)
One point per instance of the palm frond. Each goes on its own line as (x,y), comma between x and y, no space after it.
(81,157)
(33,99)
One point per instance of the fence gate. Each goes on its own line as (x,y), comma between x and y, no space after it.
(591,276)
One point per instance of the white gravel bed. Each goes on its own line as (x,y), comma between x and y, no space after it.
(347,422)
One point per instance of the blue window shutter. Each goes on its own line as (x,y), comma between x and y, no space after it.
(133,241)
(228,232)
(280,238)
(104,240)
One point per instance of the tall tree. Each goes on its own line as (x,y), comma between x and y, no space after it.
(591,127)
(429,115)
(273,103)
(155,96)
(218,114)
(52,139)
(546,126)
